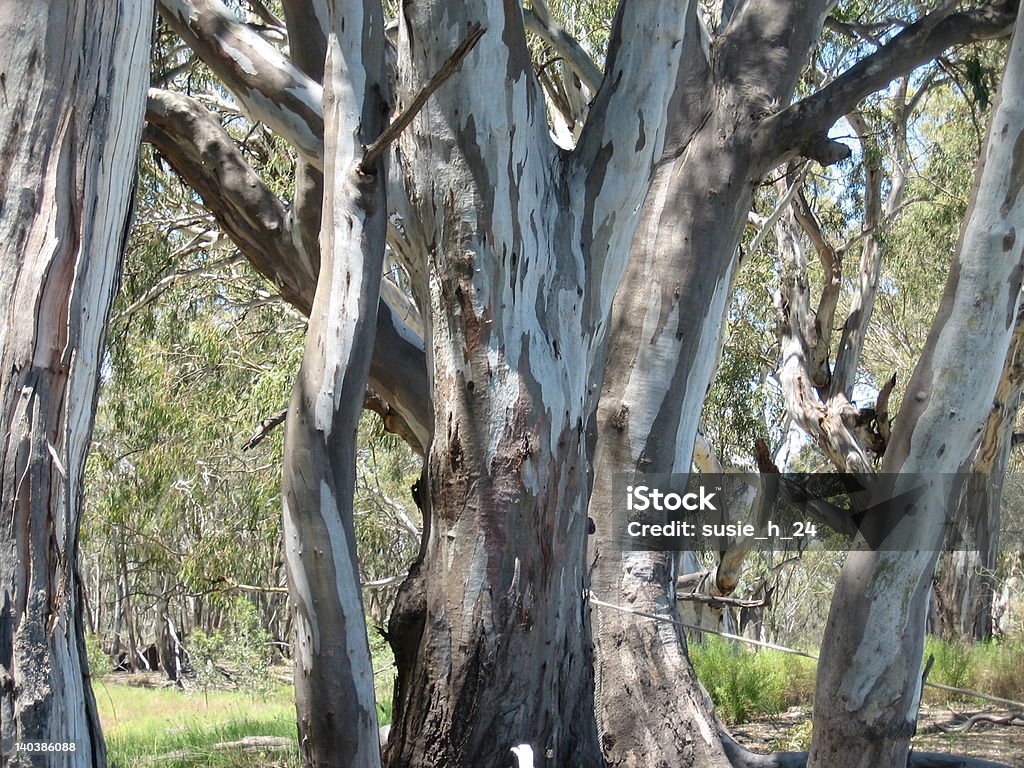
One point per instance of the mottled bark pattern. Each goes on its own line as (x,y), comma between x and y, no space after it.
(667,324)
(72,86)
(965,586)
(334,692)
(524,245)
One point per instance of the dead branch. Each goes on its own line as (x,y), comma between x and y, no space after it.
(402,120)
(720,601)
(267,426)
(1010,719)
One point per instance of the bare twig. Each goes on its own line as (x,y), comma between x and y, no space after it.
(254,587)
(266,427)
(402,120)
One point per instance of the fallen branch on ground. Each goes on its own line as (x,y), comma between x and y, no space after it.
(248,744)
(1010,718)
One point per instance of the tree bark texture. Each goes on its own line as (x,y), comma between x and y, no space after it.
(72,81)
(867,695)
(334,688)
(965,586)
(662,355)
(524,243)
(515,250)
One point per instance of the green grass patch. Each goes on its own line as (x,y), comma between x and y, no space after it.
(171,728)
(744,683)
(991,668)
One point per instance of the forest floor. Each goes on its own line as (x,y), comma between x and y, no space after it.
(149,723)
(1003,744)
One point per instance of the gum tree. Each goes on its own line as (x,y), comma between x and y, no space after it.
(73,77)
(333,676)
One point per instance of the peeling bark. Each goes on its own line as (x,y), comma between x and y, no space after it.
(966,584)
(72,79)
(662,355)
(523,244)
(515,250)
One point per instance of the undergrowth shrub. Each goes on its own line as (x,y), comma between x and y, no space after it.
(238,655)
(992,668)
(742,683)
(98,661)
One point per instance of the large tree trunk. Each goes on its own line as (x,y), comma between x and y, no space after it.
(73,89)
(519,252)
(966,582)
(869,688)
(651,710)
(523,242)
(334,691)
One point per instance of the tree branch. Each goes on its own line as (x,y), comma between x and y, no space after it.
(627,129)
(876,210)
(719,601)
(267,426)
(402,120)
(307,35)
(538,21)
(192,140)
(267,84)
(266,15)
(802,127)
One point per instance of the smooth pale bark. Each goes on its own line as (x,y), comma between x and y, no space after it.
(285,94)
(280,241)
(73,81)
(506,351)
(334,692)
(867,697)
(270,87)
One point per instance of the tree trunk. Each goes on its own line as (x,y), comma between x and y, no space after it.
(127,612)
(868,690)
(966,584)
(660,362)
(334,689)
(515,252)
(73,84)
(522,242)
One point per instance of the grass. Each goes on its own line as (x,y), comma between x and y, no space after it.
(992,668)
(746,684)
(170,728)
(174,729)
